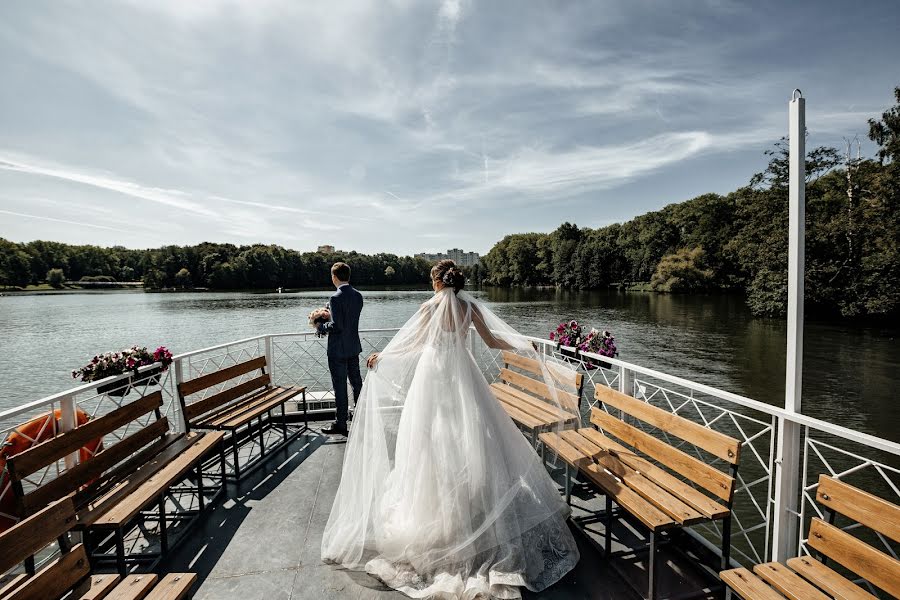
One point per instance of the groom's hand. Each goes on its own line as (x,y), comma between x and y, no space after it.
(372,360)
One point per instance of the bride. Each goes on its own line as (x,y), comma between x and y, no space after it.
(441,496)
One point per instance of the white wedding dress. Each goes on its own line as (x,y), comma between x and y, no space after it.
(441,496)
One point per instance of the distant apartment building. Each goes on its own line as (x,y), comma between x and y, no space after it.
(460,257)
(325,249)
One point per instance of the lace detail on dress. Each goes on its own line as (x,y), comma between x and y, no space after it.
(540,558)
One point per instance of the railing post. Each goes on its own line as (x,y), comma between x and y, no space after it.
(270,363)
(626,381)
(787,471)
(67,423)
(176,395)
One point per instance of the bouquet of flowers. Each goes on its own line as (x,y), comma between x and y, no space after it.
(596,342)
(568,333)
(317,317)
(115,363)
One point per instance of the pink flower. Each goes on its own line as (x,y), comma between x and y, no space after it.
(552,336)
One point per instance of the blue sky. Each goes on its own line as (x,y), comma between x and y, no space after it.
(407,126)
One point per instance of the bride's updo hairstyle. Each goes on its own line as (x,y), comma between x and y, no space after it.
(449,274)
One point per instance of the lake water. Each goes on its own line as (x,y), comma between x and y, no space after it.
(850,374)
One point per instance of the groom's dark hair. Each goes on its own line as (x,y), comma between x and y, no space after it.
(341,271)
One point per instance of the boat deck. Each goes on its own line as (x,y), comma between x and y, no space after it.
(262,541)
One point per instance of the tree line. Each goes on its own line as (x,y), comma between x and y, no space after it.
(206,265)
(739,241)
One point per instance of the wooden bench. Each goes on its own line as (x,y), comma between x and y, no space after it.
(242,411)
(122,486)
(530,402)
(69,572)
(660,486)
(805,577)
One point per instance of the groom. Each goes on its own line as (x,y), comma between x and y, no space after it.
(343,343)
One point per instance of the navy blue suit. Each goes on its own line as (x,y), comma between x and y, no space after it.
(344,347)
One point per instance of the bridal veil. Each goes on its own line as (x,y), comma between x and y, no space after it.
(441,495)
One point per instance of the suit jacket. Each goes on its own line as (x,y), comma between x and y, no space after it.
(343,329)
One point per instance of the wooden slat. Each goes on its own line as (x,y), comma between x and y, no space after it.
(173,586)
(645,488)
(717,444)
(200,407)
(552,411)
(646,513)
(521,417)
(876,567)
(125,485)
(213,415)
(687,494)
(565,399)
(215,419)
(57,578)
(863,507)
(566,451)
(835,584)
(534,366)
(536,408)
(173,471)
(748,586)
(791,585)
(99,586)
(71,479)
(709,478)
(6,589)
(113,477)
(48,452)
(201,383)
(30,535)
(260,408)
(134,587)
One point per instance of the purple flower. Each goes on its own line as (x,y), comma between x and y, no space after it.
(552,336)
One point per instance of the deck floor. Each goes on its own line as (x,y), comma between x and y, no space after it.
(262,542)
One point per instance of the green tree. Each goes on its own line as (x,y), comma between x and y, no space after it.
(15,265)
(154,279)
(56,278)
(183,278)
(682,271)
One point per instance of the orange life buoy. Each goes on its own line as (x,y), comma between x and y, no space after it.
(22,438)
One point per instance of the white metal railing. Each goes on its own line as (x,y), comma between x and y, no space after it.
(300,359)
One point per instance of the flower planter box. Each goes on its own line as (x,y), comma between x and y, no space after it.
(123,386)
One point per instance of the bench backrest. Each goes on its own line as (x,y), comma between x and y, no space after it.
(28,537)
(198,384)
(530,366)
(690,467)
(873,565)
(124,455)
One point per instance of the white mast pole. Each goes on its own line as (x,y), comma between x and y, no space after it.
(787,483)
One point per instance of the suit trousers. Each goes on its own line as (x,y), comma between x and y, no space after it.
(343,369)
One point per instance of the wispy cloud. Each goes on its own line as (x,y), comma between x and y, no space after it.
(66,221)
(171,198)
